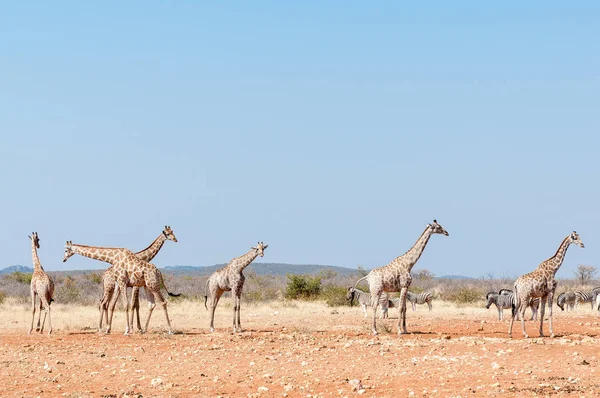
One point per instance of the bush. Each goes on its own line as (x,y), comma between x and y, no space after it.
(21,277)
(334,296)
(466,295)
(94,277)
(303,287)
(2,297)
(68,292)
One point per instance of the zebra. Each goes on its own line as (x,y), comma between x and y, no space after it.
(505,299)
(393,302)
(534,304)
(419,298)
(566,298)
(502,302)
(584,297)
(364,299)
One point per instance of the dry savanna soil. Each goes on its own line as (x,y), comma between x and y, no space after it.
(299,349)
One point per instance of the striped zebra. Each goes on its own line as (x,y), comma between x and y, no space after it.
(502,302)
(534,304)
(566,298)
(596,301)
(364,299)
(584,297)
(419,298)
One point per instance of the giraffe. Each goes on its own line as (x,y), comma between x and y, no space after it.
(129,271)
(541,283)
(395,277)
(109,279)
(42,285)
(230,278)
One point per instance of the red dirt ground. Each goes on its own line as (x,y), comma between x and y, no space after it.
(443,357)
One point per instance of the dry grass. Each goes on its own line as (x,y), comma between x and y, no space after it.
(190,316)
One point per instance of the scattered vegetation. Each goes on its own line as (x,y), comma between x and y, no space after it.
(21,277)
(85,288)
(303,287)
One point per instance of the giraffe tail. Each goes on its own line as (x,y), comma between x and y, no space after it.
(364,277)
(516,303)
(165,286)
(206,293)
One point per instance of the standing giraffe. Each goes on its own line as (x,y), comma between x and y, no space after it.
(395,277)
(130,271)
(541,283)
(110,276)
(230,278)
(41,285)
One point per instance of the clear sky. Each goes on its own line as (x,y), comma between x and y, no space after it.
(333,132)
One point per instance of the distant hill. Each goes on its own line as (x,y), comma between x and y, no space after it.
(263,269)
(15,268)
(454,277)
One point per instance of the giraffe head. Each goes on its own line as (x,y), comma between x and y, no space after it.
(169,234)
(260,249)
(574,238)
(437,228)
(68,250)
(35,239)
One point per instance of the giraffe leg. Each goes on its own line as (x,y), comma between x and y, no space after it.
(47,308)
(104,303)
(522,309)
(542,311)
(32,310)
(159,297)
(151,304)
(375,296)
(123,287)
(236,314)
(40,327)
(402,317)
(550,298)
(214,300)
(136,306)
(43,322)
(111,308)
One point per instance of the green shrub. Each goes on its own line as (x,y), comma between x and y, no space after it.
(68,292)
(303,287)
(334,296)
(466,295)
(2,297)
(22,277)
(94,277)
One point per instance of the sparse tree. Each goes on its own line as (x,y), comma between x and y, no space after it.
(585,273)
(423,275)
(361,270)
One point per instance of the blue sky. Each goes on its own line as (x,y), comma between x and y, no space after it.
(333,133)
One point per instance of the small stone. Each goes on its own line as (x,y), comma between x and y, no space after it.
(262,389)
(356,385)
(156,382)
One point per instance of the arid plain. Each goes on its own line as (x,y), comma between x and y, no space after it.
(298,349)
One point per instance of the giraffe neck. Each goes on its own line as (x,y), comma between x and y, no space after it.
(409,259)
(554,262)
(239,263)
(105,254)
(37,265)
(151,251)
